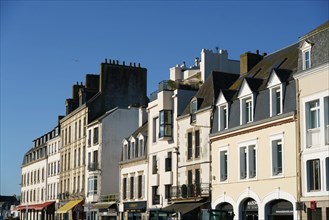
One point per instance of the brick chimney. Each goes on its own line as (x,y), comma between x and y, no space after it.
(248,60)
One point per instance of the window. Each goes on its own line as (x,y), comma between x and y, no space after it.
(223,165)
(79,156)
(314,114)
(189,177)
(168,161)
(276,157)
(155,196)
(75,131)
(197,177)
(166,123)
(89,137)
(306,59)
(189,145)
(132,150)
(132,184)
(154,165)
(141,146)
(276,101)
(92,185)
(197,144)
(140,186)
(246,110)
(137,149)
(155,130)
(124,190)
(125,152)
(223,117)
(313,175)
(79,128)
(95,136)
(167,192)
(247,162)
(193,109)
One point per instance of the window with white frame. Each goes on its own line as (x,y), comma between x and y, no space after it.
(326,120)
(141,146)
(246,110)
(313,114)
(223,117)
(247,161)
(155,129)
(124,188)
(276,100)
(313,175)
(92,185)
(223,164)
(306,55)
(277,165)
(306,59)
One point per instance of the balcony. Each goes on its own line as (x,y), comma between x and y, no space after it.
(190,191)
(313,137)
(93,167)
(109,198)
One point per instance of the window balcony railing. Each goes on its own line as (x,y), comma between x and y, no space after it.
(109,198)
(190,191)
(313,137)
(93,166)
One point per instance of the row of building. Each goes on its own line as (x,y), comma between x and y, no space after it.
(249,137)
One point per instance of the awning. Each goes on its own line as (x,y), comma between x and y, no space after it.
(102,205)
(183,207)
(68,206)
(35,206)
(43,205)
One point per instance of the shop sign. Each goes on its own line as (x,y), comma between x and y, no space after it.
(135,206)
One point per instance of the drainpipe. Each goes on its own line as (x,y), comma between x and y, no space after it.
(299,151)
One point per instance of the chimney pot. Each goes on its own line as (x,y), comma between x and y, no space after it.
(110,61)
(117,62)
(139,65)
(134,64)
(123,63)
(130,64)
(257,52)
(105,60)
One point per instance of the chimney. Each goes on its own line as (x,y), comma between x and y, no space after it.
(142,116)
(248,60)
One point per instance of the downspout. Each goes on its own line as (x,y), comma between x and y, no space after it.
(299,151)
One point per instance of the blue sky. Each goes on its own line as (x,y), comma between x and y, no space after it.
(46,46)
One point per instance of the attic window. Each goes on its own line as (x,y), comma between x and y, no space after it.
(306,55)
(193,109)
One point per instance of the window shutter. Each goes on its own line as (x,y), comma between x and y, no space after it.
(128,188)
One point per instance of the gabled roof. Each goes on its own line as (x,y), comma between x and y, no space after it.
(143,130)
(209,91)
(228,94)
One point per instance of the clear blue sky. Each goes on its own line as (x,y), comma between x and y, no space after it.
(46,46)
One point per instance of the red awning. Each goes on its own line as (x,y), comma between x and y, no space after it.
(35,206)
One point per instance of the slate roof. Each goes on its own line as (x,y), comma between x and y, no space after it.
(283,62)
(143,129)
(208,92)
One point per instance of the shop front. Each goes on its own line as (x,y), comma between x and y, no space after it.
(249,210)
(279,209)
(72,210)
(42,211)
(134,210)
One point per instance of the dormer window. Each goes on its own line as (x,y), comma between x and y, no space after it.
(246,96)
(166,124)
(246,110)
(275,87)
(193,109)
(223,117)
(306,55)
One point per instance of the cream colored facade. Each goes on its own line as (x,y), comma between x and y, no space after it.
(72,156)
(265,186)
(314,141)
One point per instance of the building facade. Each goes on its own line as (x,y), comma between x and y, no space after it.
(313,66)
(133,175)
(253,141)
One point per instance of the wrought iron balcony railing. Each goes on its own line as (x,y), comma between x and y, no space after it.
(190,191)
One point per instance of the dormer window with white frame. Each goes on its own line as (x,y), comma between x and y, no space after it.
(246,97)
(275,87)
(222,108)
(306,55)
